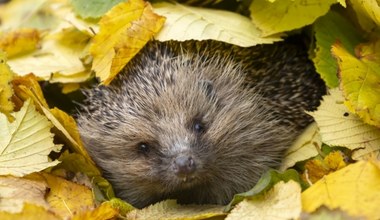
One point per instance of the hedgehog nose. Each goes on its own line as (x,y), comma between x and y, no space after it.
(184,166)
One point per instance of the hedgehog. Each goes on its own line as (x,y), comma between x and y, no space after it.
(198,121)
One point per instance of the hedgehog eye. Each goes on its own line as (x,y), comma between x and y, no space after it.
(143,148)
(199,127)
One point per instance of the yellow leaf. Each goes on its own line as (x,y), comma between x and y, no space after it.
(338,127)
(359,77)
(68,126)
(30,212)
(20,41)
(304,147)
(169,209)
(124,30)
(14,192)
(283,201)
(279,16)
(103,212)
(354,189)
(70,87)
(316,169)
(6,91)
(26,142)
(67,198)
(26,87)
(368,13)
(191,23)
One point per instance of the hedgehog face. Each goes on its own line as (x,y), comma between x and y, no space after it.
(181,128)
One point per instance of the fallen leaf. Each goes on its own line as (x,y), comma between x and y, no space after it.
(124,30)
(354,189)
(267,181)
(169,209)
(368,13)
(25,13)
(15,192)
(66,198)
(359,80)
(30,212)
(338,127)
(191,23)
(94,10)
(104,212)
(6,90)
(20,41)
(324,213)
(26,142)
(77,163)
(329,29)
(318,168)
(304,147)
(283,201)
(279,16)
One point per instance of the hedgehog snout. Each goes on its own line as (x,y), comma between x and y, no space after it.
(184,166)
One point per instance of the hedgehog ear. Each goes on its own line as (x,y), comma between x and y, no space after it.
(207,87)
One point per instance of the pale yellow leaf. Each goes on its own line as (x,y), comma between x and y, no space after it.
(355,189)
(169,209)
(191,23)
(14,192)
(26,142)
(60,53)
(338,127)
(304,147)
(282,202)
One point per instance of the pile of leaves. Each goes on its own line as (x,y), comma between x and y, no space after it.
(332,171)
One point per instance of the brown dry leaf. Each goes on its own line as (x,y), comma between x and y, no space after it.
(354,189)
(20,41)
(316,169)
(282,202)
(23,87)
(67,198)
(124,30)
(30,212)
(169,209)
(14,192)
(6,91)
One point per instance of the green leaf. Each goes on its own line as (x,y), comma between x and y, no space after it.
(360,77)
(93,8)
(329,29)
(267,181)
(26,142)
(278,16)
(190,23)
